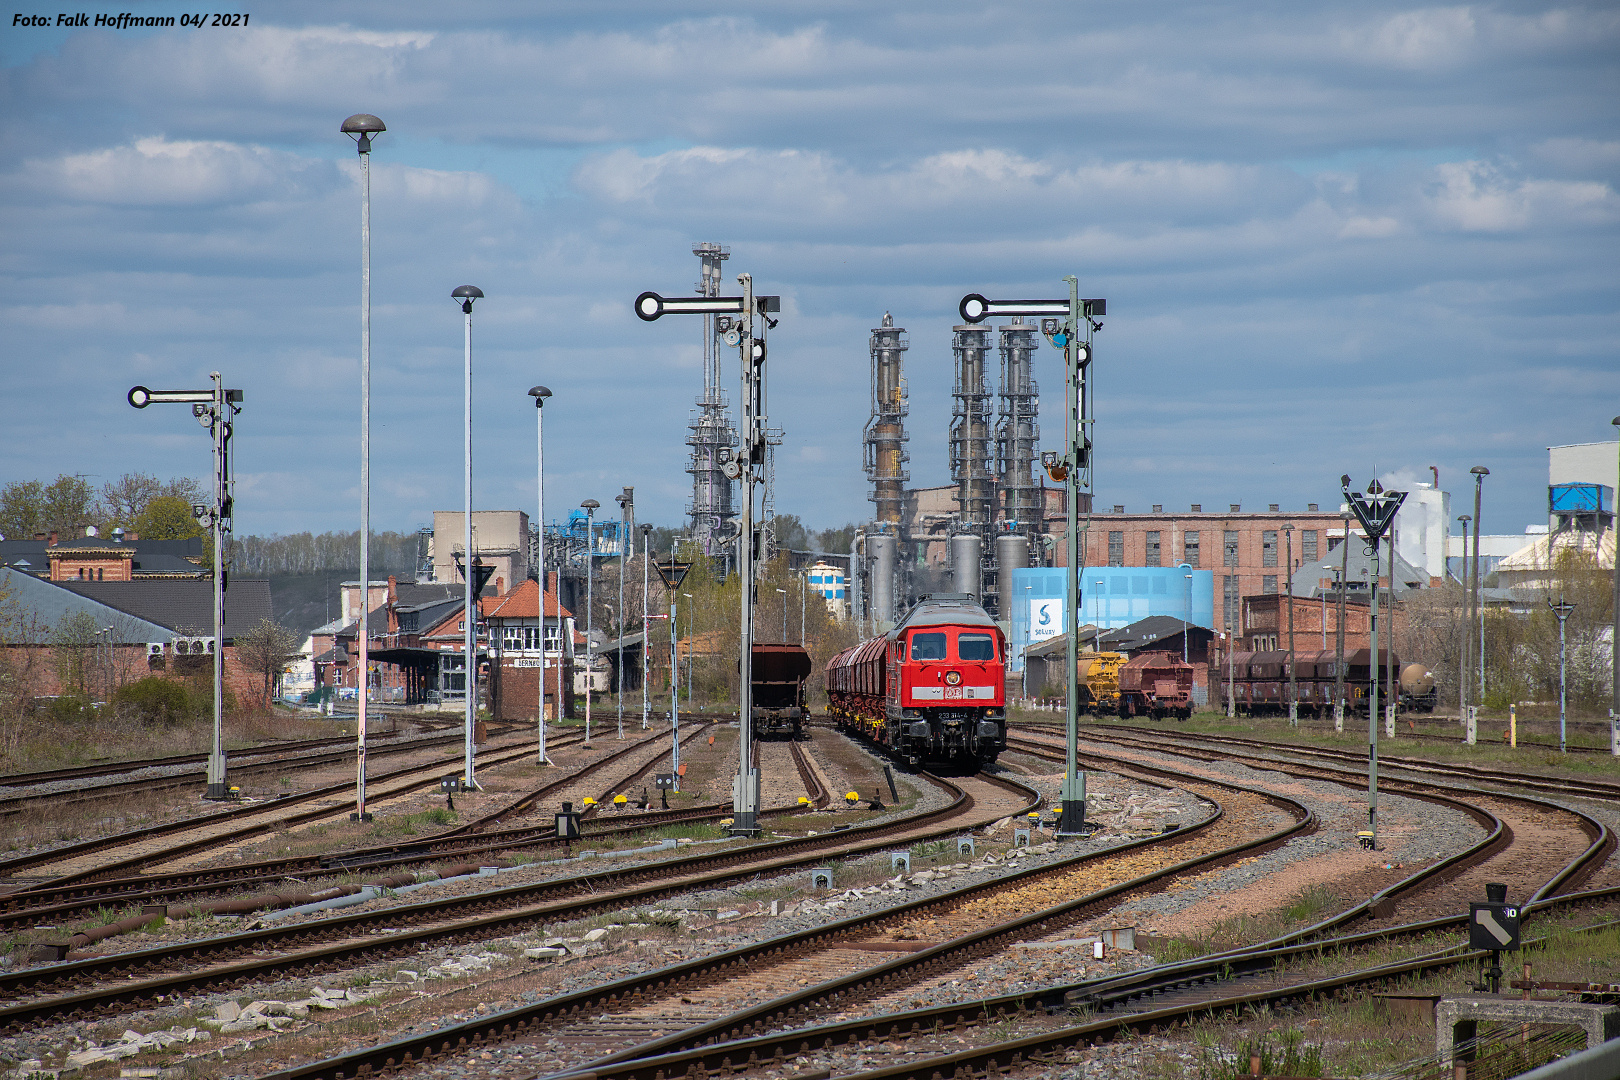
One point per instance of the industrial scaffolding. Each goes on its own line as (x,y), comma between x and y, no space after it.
(712,435)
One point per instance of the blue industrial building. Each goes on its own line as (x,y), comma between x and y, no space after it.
(1110,597)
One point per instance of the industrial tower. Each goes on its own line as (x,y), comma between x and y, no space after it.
(884,458)
(1022,515)
(711,428)
(972,458)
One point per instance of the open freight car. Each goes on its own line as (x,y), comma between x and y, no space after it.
(779,676)
(932,689)
(1156,684)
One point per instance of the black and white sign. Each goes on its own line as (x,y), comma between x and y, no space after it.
(651,306)
(975,308)
(1493,926)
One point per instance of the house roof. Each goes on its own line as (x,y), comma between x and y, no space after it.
(1308,578)
(1060,642)
(48,602)
(521,603)
(90,543)
(181,604)
(1146,632)
(1542,552)
(160,563)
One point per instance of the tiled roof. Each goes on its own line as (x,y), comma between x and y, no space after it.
(180,604)
(47,602)
(521,603)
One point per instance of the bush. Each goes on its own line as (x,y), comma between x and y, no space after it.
(68,709)
(154,701)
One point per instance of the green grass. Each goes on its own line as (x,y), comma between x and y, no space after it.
(409,823)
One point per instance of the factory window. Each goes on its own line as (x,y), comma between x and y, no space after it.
(1229,549)
(1229,601)
(1307,545)
(1268,548)
(1116,549)
(553,638)
(1152,549)
(518,637)
(1189,548)
(1268,584)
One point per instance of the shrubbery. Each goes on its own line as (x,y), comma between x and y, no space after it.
(155,701)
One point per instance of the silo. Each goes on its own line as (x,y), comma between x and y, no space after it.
(1012,553)
(966,549)
(883,548)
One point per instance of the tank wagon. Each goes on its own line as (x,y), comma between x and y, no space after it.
(932,689)
(1259,681)
(1156,684)
(779,676)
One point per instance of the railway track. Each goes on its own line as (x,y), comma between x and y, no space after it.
(251,766)
(1227,981)
(931,935)
(63,898)
(102,986)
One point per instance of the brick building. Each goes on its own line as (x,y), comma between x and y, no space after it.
(1246,552)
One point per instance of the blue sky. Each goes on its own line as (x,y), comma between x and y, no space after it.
(1334,238)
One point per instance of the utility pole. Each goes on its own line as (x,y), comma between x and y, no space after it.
(1478,595)
(646,623)
(1562,611)
(1464,668)
(1293,685)
(1338,662)
(741,322)
(1069,325)
(1376,512)
(627,548)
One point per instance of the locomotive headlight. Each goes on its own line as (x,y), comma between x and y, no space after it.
(952,678)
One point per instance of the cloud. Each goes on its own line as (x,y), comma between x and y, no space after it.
(1476,197)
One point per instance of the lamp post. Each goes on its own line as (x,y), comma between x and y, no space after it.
(1187,615)
(784,615)
(1614,640)
(1376,512)
(1293,685)
(589,506)
(362,128)
(1562,611)
(1338,633)
(646,625)
(540,394)
(1478,594)
(466,294)
(1464,668)
(803,578)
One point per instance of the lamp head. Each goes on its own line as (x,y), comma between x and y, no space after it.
(646,529)
(539,393)
(361,127)
(467,294)
(590,505)
(1480,470)
(1615,421)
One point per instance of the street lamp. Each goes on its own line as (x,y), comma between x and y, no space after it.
(362,127)
(1465,669)
(784,615)
(1614,640)
(1187,614)
(1562,610)
(1476,595)
(540,394)
(466,294)
(590,507)
(675,679)
(646,625)
(804,576)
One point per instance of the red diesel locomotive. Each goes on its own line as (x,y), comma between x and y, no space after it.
(931,689)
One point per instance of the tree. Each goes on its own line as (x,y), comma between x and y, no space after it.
(124,500)
(28,507)
(167,517)
(72,640)
(267,649)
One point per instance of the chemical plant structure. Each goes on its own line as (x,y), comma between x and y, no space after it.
(1001,516)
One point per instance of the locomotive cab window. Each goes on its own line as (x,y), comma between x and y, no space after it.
(975,647)
(928,646)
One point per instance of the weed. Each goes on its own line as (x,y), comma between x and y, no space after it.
(1294,1057)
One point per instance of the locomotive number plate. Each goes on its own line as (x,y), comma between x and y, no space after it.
(954,693)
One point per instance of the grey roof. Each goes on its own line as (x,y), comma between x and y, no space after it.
(160,563)
(1060,642)
(181,604)
(1145,632)
(1307,576)
(47,602)
(937,611)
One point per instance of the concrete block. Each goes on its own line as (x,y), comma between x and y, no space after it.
(901,861)
(1020,838)
(227,1011)
(596,935)
(1456,1019)
(821,877)
(964,845)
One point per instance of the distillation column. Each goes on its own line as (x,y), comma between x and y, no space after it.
(711,428)
(1016,435)
(884,458)
(972,460)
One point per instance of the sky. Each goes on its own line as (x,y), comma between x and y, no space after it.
(1360,238)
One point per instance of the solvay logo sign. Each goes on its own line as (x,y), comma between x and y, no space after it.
(1045,619)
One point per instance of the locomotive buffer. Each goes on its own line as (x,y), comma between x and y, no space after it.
(736,325)
(1068,325)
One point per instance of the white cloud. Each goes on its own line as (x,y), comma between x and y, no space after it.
(157,171)
(1476,197)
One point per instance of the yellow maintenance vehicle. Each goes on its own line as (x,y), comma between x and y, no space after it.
(1097,675)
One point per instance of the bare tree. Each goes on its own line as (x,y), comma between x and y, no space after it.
(267,649)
